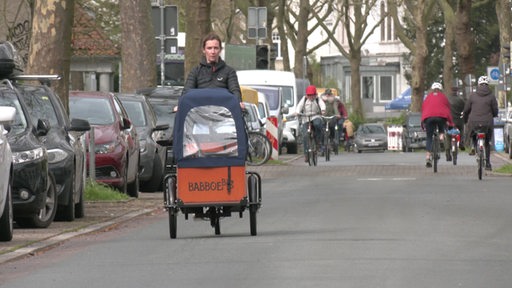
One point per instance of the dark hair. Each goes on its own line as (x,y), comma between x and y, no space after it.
(211,36)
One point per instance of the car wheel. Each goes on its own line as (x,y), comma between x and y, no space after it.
(46,214)
(155,182)
(67,212)
(133,187)
(124,186)
(79,207)
(6,225)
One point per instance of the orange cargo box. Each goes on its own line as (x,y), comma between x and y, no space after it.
(211,185)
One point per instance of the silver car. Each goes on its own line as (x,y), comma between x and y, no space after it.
(6,214)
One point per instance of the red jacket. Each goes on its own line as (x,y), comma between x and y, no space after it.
(436,105)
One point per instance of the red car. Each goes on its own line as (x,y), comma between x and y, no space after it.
(115,139)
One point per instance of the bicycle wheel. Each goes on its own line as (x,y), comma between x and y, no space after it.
(259,149)
(435,152)
(480,160)
(455,152)
(311,147)
(336,142)
(327,148)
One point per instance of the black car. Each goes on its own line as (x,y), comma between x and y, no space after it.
(33,189)
(152,155)
(66,151)
(164,100)
(413,136)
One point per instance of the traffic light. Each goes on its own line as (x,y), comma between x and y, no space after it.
(262,56)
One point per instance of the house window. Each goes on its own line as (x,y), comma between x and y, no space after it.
(368,87)
(383,24)
(386,88)
(387,31)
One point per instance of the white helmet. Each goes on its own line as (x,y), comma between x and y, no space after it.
(436,85)
(483,80)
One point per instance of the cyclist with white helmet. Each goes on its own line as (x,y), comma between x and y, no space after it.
(479,111)
(435,112)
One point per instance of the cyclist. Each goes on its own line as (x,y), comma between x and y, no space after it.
(331,109)
(311,106)
(479,111)
(435,112)
(457,106)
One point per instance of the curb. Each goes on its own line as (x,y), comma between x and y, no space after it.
(45,244)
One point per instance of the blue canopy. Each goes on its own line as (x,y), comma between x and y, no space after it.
(209,130)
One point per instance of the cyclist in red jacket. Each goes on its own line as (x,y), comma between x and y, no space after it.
(435,112)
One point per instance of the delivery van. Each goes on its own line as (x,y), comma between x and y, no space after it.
(286,83)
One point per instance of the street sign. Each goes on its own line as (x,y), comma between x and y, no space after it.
(170,23)
(240,57)
(257,22)
(493,73)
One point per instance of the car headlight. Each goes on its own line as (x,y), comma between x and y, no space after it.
(142,146)
(291,118)
(105,148)
(27,156)
(56,155)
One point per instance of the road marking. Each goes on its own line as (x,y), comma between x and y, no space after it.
(388,179)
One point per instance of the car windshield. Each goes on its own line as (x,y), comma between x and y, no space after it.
(163,111)
(9,98)
(97,111)
(40,105)
(135,112)
(272,95)
(372,129)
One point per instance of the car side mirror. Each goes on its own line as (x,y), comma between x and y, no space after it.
(285,109)
(161,127)
(43,126)
(126,124)
(79,125)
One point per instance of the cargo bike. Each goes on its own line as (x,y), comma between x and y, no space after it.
(210,180)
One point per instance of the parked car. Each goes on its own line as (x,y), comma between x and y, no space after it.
(253,121)
(116,144)
(6,214)
(66,153)
(33,188)
(413,136)
(370,136)
(277,109)
(152,155)
(164,100)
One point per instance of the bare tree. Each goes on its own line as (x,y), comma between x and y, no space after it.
(449,36)
(419,14)
(352,16)
(138,45)
(198,24)
(50,51)
(503,11)
(464,38)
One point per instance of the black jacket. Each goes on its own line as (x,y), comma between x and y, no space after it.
(481,107)
(219,75)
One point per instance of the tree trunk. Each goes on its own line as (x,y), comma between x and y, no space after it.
(138,46)
(418,63)
(504,14)
(198,25)
(282,35)
(50,44)
(355,84)
(464,38)
(449,36)
(302,39)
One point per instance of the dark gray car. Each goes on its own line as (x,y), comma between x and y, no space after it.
(413,136)
(152,155)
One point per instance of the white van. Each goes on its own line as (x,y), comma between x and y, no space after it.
(287,82)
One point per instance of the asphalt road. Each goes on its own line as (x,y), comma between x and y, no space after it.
(361,220)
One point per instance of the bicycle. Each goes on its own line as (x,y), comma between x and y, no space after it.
(259,148)
(327,138)
(454,134)
(435,149)
(480,152)
(311,153)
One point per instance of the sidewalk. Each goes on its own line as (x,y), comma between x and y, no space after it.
(99,216)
